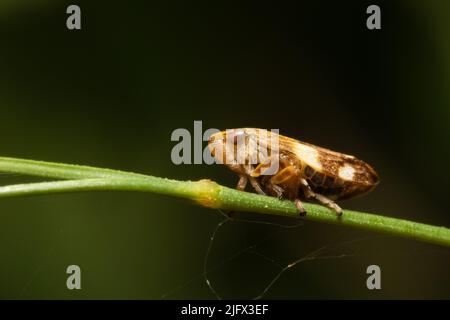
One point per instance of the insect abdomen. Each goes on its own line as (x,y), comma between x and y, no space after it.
(335,187)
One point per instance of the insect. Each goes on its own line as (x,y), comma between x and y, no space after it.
(304,172)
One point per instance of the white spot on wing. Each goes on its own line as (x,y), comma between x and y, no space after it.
(309,155)
(346,172)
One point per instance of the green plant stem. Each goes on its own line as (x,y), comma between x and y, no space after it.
(203,192)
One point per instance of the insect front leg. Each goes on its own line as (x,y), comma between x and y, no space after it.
(253,181)
(309,194)
(242,183)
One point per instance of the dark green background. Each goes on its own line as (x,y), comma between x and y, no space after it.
(111,94)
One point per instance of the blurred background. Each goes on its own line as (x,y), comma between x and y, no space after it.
(111,94)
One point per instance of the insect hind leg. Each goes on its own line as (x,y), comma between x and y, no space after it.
(328,203)
(309,194)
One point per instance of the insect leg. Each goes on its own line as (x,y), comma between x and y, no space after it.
(290,176)
(242,183)
(300,208)
(320,198)
(306,189)
(241,186)
(328,203)
(274,189)
(279,192)
(255,184)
